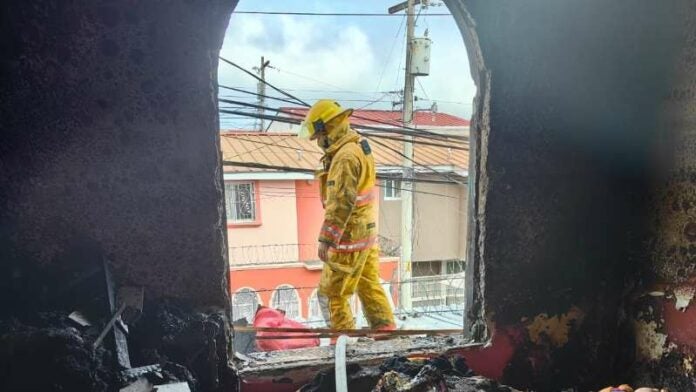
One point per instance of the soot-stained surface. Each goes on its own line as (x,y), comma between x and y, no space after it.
(664,315)
(109,155)
(400,374)
(53,357)
(110,137)
(566,158)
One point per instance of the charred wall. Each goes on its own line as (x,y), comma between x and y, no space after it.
(571,97)
(109,153)
(662,309)
(109,142)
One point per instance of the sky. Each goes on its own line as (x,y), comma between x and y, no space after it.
(354,59)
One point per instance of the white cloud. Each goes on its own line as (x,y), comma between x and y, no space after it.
(295,46)
(330,54)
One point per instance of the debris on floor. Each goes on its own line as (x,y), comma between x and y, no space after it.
(400,374)
(176,387)
(60,354)
(150,344)
(140,385)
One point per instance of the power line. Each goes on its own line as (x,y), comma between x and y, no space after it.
(416,163)
(361,14)
(403,126)
(329,91)
(262,147)
(370,103)
(256,165)
(423,90)
(257,94)
(365,93)
(392,123)
(391,50)
(378,99)
(289,120)
(382,186)
(263,81)
(409,131)
(310,79)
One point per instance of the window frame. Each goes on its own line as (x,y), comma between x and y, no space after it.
(298,301)
(395,189)
(231,223)
(259,301)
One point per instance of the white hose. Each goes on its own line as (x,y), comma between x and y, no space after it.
(340,369)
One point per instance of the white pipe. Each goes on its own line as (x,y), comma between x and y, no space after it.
(340,368)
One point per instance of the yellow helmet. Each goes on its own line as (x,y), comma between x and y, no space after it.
(320,114)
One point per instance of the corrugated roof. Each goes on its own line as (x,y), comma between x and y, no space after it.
(377,118)
(283,149)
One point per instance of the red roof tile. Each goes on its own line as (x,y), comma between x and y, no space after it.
(380,117)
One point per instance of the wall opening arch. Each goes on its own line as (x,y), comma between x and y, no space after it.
(296,80)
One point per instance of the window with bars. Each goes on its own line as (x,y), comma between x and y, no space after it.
(244,304)
(392,189)
(437,283)
(240,201)
(285,298)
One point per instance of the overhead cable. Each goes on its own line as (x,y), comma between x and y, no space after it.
(263,81)
(403,126)
(296,120)
(360,14)
(256,165)
(289,120)
(427,167)
(257,94)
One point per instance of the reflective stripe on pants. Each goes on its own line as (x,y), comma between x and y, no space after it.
(337,286)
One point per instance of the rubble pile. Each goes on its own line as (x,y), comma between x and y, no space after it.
(401,374)
(50,340)
(190,344)
(52,358)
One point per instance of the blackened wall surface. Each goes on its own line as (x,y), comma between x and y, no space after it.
(110,142)
(566,167)
(663,310)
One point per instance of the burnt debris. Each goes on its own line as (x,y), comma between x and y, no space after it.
(401,374)
(95,340)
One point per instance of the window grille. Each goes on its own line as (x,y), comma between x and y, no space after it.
(240,200)
(392,189)
(285,298)
(244,304)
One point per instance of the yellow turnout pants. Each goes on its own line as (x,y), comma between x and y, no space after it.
(338,284)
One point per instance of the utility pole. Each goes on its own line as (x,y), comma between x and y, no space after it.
(261,90)
(404,276)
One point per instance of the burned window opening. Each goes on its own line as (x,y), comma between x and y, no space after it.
(444,296)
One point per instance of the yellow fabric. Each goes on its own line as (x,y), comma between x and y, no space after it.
(338,287)
(323,110)
(347,183)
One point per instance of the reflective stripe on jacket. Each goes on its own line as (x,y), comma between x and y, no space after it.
(347,184)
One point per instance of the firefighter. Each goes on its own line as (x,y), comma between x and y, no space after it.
(347,239)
